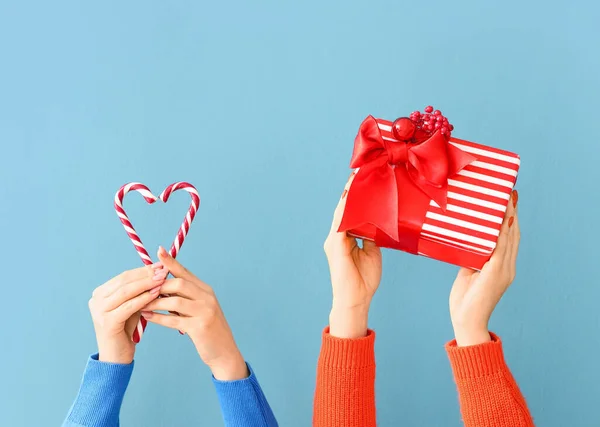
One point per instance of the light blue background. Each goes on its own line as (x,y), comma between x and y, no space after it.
(257,104)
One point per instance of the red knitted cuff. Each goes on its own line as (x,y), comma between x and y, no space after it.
(348,352)
(477,360)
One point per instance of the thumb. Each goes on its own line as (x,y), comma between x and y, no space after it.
(370,247)
(131,324)
(464,272)
(174,267)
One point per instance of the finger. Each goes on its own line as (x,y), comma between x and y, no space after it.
(511,207)
(516,239)
(461,283)
(336,239)
(339,210)
(370,247)
(509,219)
(132,306)
(180,305)
(185,288)
(127,277)
(500,250)
(464,272)
(503,238)
(174,267)
(131,324)
(132,290)
(168,320)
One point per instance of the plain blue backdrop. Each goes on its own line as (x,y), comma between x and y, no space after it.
(257,104)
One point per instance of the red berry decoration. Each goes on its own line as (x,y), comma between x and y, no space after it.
(424,125)
(403,129)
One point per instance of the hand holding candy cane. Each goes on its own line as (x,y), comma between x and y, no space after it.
(200,317)
(115,308)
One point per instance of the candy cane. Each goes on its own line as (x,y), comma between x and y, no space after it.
(135,239)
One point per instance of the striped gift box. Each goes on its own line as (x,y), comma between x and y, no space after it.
(466,232)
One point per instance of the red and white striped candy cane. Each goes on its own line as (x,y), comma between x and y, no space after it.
(135,239)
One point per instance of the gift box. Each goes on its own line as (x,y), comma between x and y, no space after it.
(419,189)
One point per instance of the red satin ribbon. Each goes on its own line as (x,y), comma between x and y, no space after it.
(392,190)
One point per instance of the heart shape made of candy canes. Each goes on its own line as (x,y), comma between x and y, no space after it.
(135,239)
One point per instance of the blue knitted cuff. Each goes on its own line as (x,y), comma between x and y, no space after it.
(101,394)
(243,402)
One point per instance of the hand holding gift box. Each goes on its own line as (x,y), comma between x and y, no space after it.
(420,190)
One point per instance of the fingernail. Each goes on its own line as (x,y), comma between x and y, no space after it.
(147,314)
(344,193)
(155,291)
(515,198)
(511,220)
(162,251)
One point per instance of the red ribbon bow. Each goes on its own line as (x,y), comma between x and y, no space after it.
(396,182)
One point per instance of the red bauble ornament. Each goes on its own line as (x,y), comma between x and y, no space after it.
(403,129)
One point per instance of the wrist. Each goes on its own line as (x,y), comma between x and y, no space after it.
(112,353)
(229,368)
(471,336)
(349,322)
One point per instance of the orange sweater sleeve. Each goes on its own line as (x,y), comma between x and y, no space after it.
(488,394)
(345,393)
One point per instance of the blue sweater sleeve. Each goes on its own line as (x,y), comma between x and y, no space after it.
(100,395)
(243,403)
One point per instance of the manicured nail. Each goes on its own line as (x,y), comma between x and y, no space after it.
(344,193)
(510,221)
(155,291)
(162,251)
(156,265)
(147,314)
(515,198)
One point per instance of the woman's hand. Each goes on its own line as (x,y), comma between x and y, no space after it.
(199,315)
(115,307)
(355,276)
(475,294)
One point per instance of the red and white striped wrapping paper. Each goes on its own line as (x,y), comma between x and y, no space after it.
(466,233)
